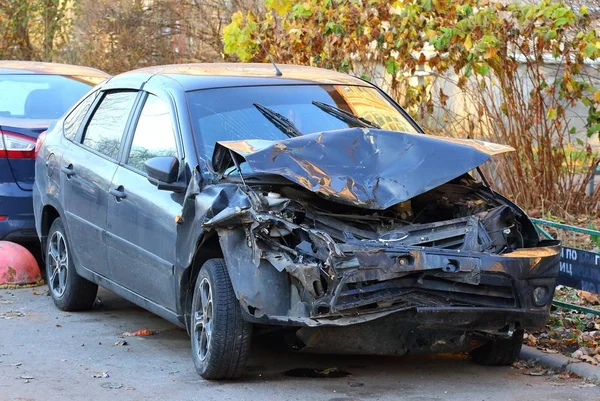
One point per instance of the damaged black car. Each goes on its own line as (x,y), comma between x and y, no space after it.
(229,198)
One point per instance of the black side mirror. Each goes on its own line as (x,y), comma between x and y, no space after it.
(163,171)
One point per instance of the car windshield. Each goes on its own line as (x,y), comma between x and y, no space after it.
(41,97)
(229,114)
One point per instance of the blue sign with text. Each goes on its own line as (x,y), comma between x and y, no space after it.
(579,269)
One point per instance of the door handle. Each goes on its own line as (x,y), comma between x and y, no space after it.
(68,170)
(118,192)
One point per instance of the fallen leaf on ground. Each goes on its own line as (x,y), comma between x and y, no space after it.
(144,332)
(550,351)
(592,326)
(566,375)
(589,297)
(579,353)
(328,371)
(585,358)
(536,373)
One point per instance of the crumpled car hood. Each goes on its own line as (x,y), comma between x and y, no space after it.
(369,168)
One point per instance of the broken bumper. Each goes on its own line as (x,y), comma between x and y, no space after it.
(435,278)
(431,287)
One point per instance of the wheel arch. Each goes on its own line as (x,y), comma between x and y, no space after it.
(207,247)
(49,214)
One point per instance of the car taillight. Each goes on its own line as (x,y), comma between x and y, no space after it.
(15,146)
(39,143)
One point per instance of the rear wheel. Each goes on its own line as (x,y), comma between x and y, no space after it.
(69,291)
(501,351)
(220,336)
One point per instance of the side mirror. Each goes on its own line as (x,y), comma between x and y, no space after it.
(163,172)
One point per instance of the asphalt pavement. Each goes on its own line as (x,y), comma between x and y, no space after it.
(46,354)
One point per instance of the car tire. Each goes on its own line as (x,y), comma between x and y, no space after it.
(220,336)
(69,291)
(498,352)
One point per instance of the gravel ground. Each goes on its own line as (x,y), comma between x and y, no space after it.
(46,354)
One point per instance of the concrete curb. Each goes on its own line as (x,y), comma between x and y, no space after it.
(560,362)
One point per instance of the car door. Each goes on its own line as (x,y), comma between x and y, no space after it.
(141,218)
(87,168)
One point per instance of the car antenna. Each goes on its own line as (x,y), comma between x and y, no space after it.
(277,70)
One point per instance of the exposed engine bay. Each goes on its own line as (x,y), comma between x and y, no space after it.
(461,215)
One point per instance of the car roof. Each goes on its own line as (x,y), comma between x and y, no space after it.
(41,68)
(218,75)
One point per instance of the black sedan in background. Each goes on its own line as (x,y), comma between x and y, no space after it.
(32,95)
(228,198)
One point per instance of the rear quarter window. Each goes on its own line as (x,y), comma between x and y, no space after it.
(75,118)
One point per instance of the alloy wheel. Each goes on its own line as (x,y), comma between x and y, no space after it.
(203,319)
(58,258)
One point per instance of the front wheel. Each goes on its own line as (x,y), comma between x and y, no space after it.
(220,336)
(501,351)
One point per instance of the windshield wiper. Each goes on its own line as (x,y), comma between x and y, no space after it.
(284,124)
(345,116)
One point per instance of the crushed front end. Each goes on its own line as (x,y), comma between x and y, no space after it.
(364,227)
(458,256)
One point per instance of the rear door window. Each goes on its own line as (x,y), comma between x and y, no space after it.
(105,129)
(154,134)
